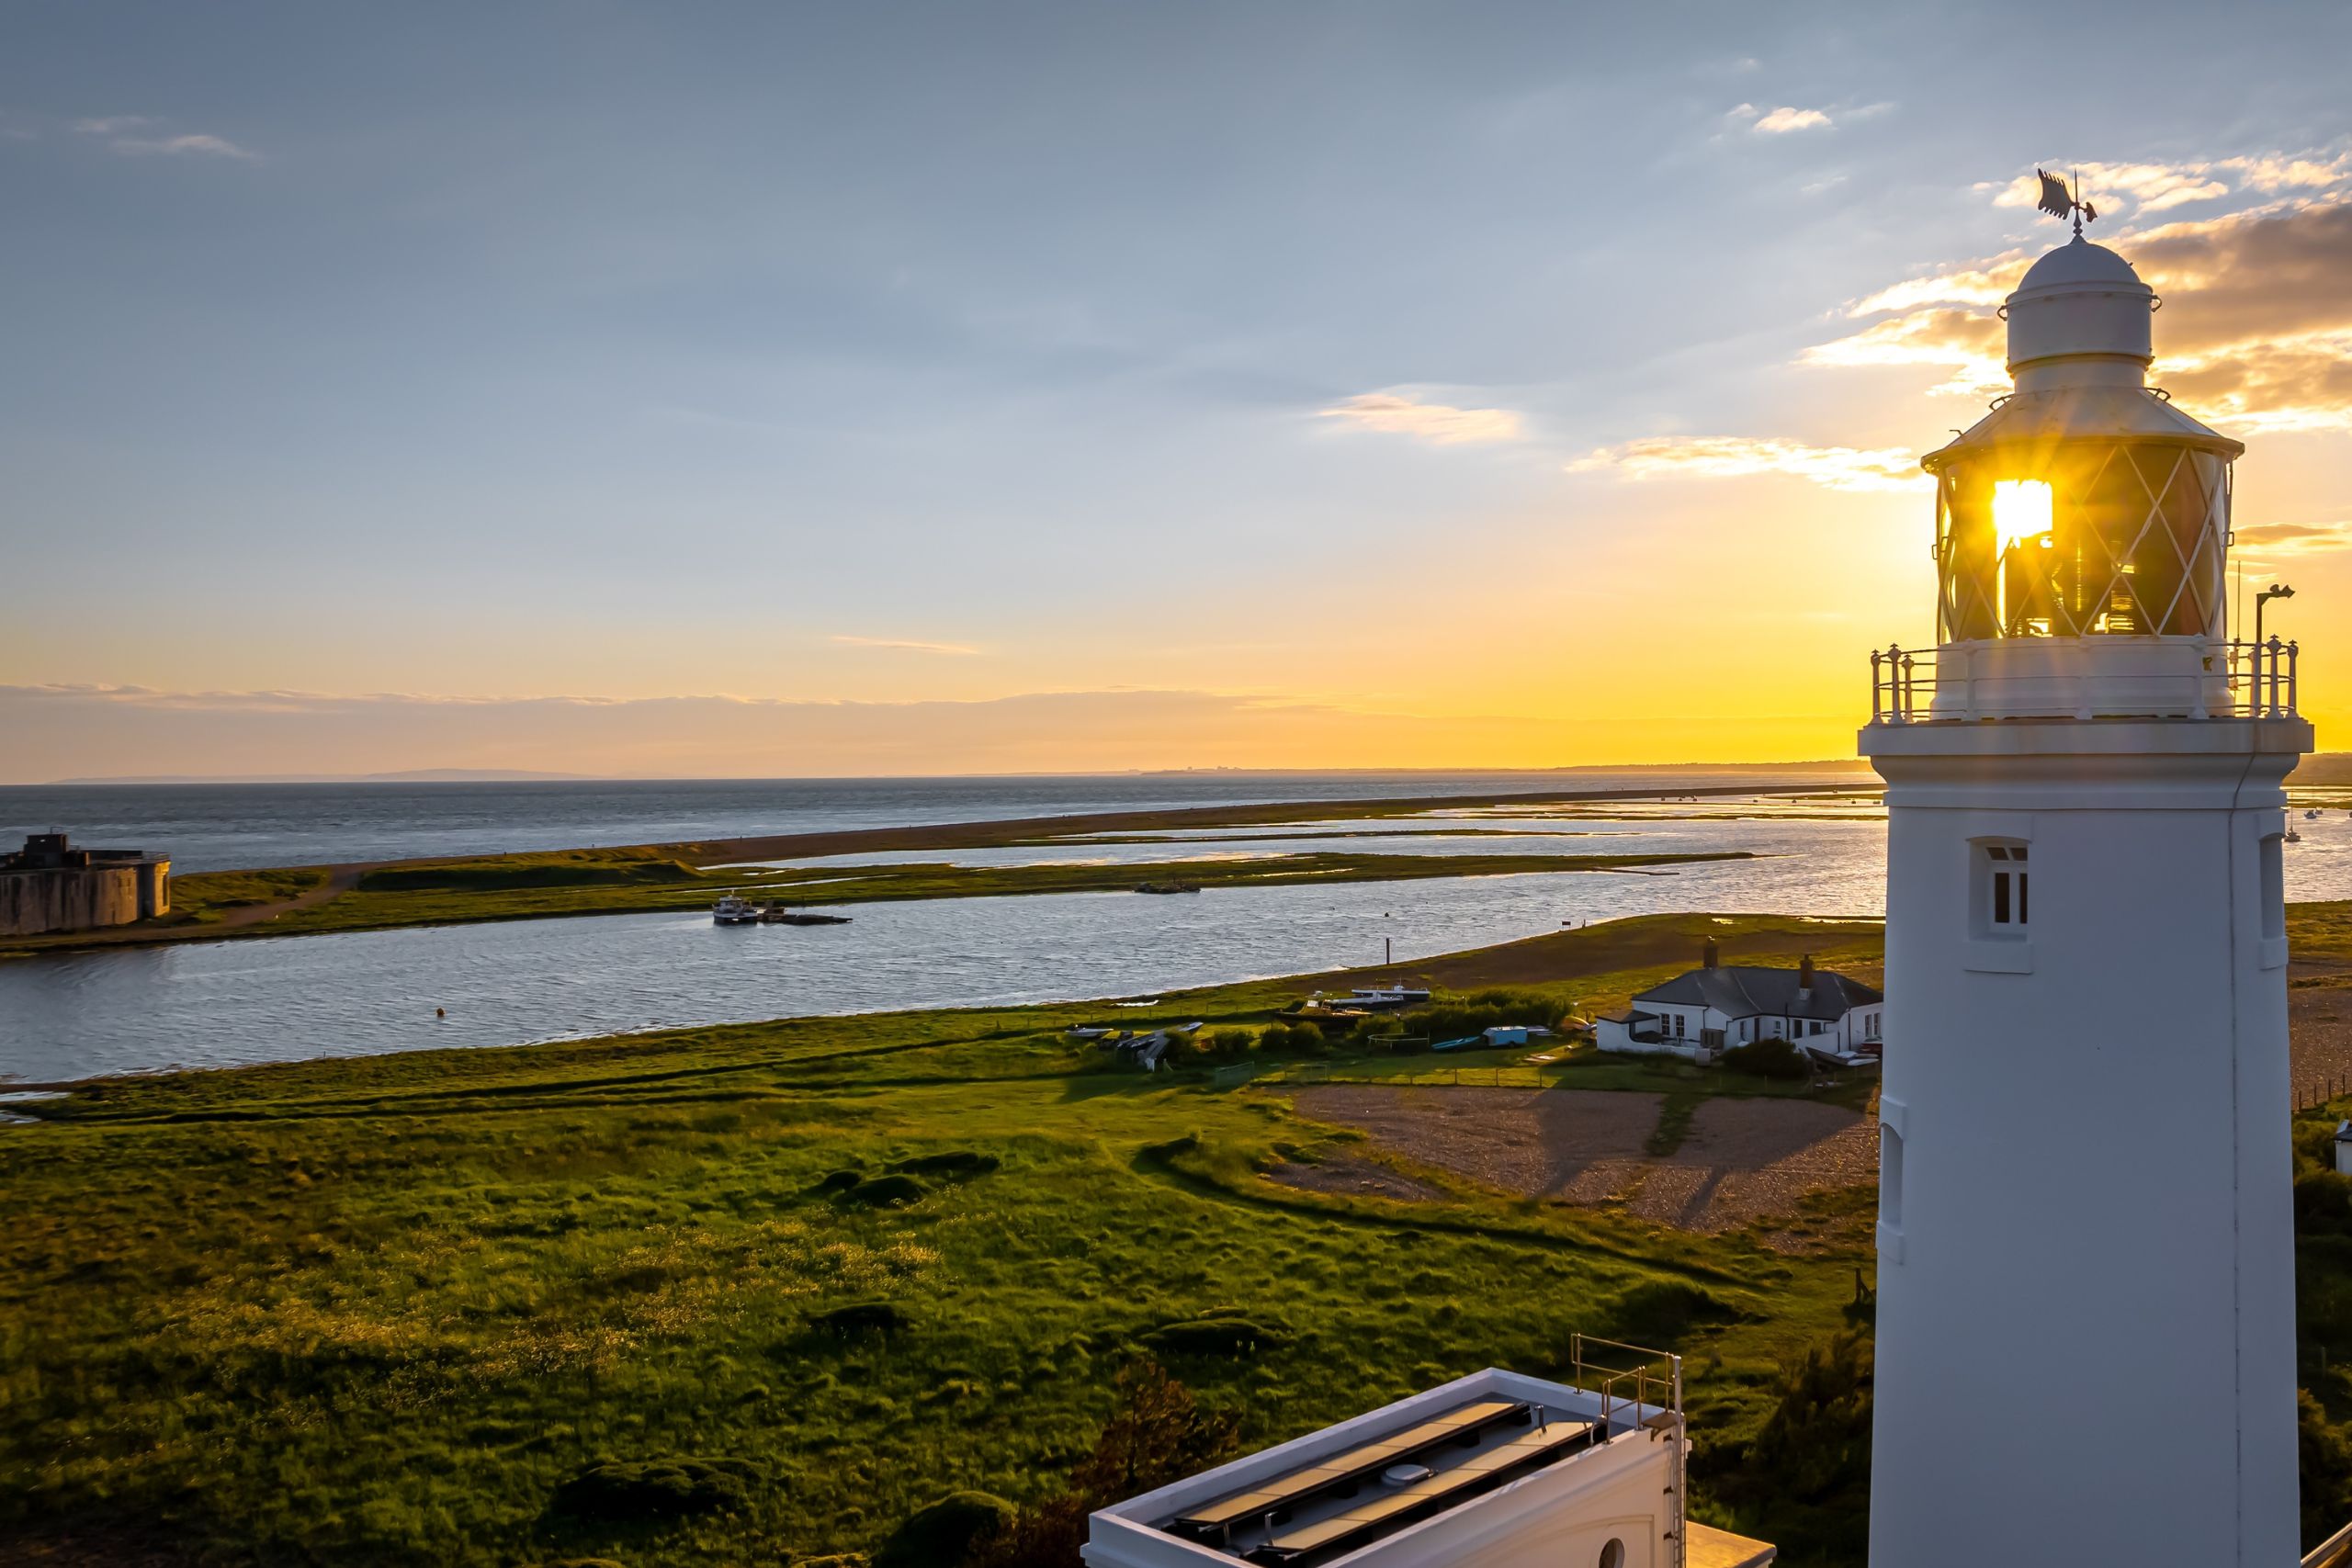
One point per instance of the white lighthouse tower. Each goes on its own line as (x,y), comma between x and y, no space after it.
(2087,1323)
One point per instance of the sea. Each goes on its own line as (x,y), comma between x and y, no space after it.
(255,1001)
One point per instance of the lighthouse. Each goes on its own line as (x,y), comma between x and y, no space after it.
(2085,1265)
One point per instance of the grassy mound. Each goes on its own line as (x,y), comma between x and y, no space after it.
(656,1490)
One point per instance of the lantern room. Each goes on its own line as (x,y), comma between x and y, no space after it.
(2084,504)
(2082,525)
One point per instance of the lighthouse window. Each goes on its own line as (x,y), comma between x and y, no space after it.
(2004,893)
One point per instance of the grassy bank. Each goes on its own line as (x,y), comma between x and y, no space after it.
(373,895)
(311,900)
(382,1310)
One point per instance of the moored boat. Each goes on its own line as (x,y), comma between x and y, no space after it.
(777,915)
(734,910)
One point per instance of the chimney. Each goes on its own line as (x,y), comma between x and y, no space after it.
(1711,956)
(1805,974)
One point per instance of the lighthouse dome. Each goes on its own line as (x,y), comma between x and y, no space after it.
(2078,265)
(2081,300)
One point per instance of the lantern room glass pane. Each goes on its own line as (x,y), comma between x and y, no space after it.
(2082,538)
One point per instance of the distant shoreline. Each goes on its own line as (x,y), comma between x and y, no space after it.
(303,900)
(518,775)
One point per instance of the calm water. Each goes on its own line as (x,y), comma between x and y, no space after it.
(223,1003)
(224,827)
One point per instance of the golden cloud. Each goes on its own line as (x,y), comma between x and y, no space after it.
(2293,538)
(2145,187)
(1782,120)
(2257,330)
(1740,456)
(1437,422)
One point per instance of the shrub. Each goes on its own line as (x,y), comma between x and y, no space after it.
(1297,1039)
(2324,1455)
(860,1317)
(885,1191)
(656,1490)
(1225,1044)
(1158,1435)
(950,1533)
(1769,1059)
(1213,1336)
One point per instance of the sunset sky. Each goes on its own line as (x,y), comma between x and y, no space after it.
(795,389)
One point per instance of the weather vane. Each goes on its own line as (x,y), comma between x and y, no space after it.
(2060,202)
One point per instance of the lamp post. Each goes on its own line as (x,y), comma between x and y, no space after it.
(2276,590)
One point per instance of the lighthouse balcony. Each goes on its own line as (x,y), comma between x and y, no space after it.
(2083,678)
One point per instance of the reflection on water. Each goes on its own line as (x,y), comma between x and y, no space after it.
(279,999)
(273,999)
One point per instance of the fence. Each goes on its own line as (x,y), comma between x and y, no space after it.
(2239,680)
(2310,1094)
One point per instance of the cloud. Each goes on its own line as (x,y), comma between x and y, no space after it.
(182,146)
(1969,344)
(2256,328)
(2269,539)
(117,130)
(1779,121)
(1739,457)
(1437,422)
(906,645)
(2140,188)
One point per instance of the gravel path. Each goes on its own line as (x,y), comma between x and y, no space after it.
(1742,1160)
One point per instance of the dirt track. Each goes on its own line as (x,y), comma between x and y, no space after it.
(1741,1160)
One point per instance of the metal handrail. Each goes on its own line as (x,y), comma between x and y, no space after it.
(1664,1370)
(2240,679)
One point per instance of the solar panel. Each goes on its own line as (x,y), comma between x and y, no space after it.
(1397,1505)
(1352,1464)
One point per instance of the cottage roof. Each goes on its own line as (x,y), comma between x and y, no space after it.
(1744,991)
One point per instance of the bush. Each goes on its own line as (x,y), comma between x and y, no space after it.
(1223,1045)
(656,1490)
(1301,1038)
(1769,1059)
(2324,1455)
(886,1192)
(1805,1475)
(860,1317)
(1158,1435)
(950,1533)
(1219,1336)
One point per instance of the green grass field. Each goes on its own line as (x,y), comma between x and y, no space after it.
(382,1311)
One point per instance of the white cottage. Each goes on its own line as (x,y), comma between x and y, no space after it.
(1718,1007)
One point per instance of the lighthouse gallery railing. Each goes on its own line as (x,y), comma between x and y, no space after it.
(2244,680)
